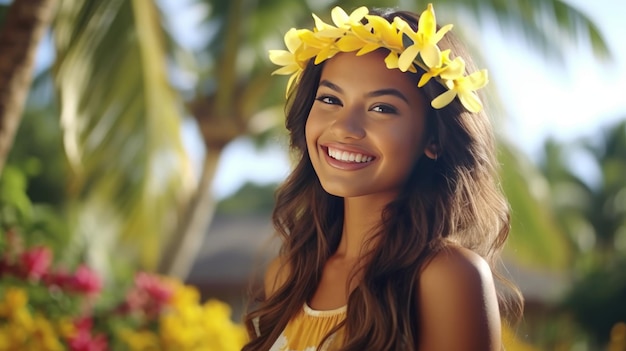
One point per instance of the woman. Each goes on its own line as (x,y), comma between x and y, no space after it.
(392,220)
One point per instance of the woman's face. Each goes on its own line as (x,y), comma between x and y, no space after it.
(366,128)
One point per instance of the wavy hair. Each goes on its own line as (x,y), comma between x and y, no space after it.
(455,199)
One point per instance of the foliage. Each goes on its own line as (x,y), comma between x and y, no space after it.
(590,207)
(596,300)
(47,308)
(121,120)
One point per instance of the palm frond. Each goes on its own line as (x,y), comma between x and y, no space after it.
(121,119)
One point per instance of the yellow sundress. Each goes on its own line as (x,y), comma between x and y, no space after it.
(307,329)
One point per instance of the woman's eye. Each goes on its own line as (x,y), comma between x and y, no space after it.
(330,100)
(384,109)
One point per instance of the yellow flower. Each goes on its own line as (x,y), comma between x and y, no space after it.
(222,333)
(292,60)
(464,88)
(333,39)
(140,340)
(349,34)
(14,299)
(378,33)
(66,328)
(44,336)
(316,45)
(287,59)
(342,21)
(448,69)
(424,40)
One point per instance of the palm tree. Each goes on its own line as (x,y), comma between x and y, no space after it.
(121,117)
(591,209)
(25,24)
(590,206)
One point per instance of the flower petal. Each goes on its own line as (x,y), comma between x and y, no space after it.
(427,24)
(404,27)
(470,100)
(339,16)
(319,24)
(325,54)
(349,43)
(478,79)
(431,56)
(424,79)
(368,48)
(281,57)
(283,71)
(358,14)
(454,70)
(443,99)
(407,57)
(292,40)
(391,60)
(442,31)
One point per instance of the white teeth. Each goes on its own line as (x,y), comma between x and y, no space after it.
(348,156)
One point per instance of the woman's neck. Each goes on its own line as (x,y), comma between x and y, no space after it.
(362,218)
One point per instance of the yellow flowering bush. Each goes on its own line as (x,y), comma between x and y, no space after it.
(43,308)
(186,324)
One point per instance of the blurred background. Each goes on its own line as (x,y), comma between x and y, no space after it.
(147,136)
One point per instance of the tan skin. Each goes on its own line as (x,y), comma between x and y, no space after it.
(380,114)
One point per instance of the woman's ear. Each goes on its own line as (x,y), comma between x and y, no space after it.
(432,150)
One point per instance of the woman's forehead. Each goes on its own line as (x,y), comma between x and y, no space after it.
(367,72)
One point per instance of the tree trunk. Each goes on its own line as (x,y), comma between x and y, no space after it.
(184,246)
(25,23)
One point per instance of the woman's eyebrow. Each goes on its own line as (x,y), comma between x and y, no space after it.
(389,91)
(333,86)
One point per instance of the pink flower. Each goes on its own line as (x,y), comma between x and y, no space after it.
(84,340)
(36,262)
(148,296)
(154,286)
(86,280)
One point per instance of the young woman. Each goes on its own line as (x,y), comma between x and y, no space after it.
(392,220)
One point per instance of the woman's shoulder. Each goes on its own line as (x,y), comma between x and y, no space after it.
(275,275)
(456,264)
(457,296)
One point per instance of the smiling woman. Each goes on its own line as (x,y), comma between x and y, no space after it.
(392,220)
(378,116)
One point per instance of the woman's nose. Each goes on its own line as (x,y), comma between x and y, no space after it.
(348,124)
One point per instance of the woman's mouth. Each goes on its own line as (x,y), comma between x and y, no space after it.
(349,157)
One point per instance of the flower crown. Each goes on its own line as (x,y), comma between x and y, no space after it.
(407,49)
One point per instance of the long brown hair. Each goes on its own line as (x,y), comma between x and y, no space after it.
(453,199)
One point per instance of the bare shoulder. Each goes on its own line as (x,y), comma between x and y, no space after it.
(275,275)
(457,297)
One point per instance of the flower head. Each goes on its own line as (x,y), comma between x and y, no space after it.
(464,88)
(36,262)
(86,280)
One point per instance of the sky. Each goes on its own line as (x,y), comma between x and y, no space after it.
(544,99)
